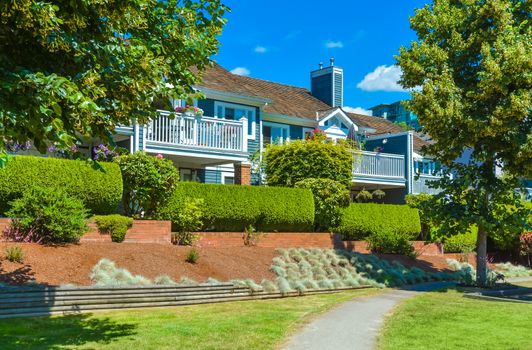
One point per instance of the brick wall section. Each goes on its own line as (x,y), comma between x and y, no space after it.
(4,222)
(298,240)
(242,174)
(151,231)
(266,240)
(142,231)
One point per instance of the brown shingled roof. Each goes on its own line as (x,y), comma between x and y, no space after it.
(286,99)
(383,126)
(290,100)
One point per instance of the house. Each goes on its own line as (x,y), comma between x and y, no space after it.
(242,115)
(396,113)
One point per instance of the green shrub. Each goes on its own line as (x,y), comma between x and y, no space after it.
(50,214)
(15,254)
(360,220)
(462,242)
(233,208)
(115,225)
(287,164)
(329,197)
(192,256)
(187,220)
(98,186)
(148,182)
(390,243)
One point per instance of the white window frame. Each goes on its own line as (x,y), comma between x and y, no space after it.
(253,122)
(225,174)
(281,126)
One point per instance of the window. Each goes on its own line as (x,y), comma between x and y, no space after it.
(307,133)
(275,133)
(228,178)
(236,112)
(190,175)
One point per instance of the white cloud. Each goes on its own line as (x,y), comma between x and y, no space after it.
(334,44)
(293,34)
(357,110)
(241,71)
(260,49)
(383,78)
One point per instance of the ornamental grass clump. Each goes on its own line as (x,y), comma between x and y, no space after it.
(105,273)
(510,270)
(330,269)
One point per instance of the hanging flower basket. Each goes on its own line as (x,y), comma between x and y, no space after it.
(190,111)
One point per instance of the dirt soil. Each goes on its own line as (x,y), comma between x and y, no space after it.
(56,265)
(72,263)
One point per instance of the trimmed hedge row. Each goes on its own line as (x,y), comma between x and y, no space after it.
(360,220)
(234,208)
(98,186)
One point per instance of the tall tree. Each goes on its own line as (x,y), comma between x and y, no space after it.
(70,68)
(471,75)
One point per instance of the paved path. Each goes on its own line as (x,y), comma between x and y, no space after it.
(355,324)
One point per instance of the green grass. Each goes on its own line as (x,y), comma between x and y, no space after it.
(447,320)
(233,325)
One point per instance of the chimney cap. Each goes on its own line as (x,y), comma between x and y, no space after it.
(332,61)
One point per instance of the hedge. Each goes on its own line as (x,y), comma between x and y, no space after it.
(360,220)
(234,208)
(99,186)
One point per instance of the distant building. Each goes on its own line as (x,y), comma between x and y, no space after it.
(396,113)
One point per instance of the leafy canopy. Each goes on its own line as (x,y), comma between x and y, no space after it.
(471,66)
(70,68)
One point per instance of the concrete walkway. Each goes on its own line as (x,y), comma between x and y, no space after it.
(355,324)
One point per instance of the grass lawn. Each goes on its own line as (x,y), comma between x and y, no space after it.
(447,320)
(232,325)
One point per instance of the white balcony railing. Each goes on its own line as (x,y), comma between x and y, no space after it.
(421,184)
(384,165)
(201,132)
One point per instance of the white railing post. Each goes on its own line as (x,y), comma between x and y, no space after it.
(195,132)
(244,134)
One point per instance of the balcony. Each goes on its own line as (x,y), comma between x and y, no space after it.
(200,134)
(421,184)
(372,168)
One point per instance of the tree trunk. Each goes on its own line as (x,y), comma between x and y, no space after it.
(482,264)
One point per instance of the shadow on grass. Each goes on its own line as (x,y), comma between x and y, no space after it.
(59,332)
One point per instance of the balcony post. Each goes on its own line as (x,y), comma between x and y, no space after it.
(244,134)
(195,131)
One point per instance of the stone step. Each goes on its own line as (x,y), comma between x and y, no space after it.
(51,298)
(10,291)
(6,308)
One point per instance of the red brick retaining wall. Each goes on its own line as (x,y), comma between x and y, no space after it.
(4,222)
(299,240)
(152,231)
(142,231)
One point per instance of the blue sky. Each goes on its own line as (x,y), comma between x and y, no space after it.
(283,40)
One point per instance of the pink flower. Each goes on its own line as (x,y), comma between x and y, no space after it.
(159,156)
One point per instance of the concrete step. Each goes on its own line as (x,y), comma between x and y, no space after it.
(111,289)
(39,311)
(72,298)
(7,308)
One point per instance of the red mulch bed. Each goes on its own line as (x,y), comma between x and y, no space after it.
(72,263)
(55,265)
